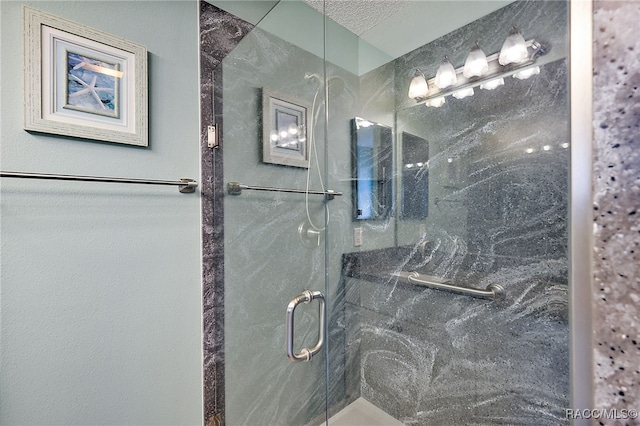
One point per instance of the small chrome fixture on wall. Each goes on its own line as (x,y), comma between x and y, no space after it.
(311,238)
(516,58)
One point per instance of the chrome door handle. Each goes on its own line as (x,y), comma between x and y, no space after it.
(305,354)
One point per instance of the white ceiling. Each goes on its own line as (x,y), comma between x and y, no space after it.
(400,26)
(386,29)
(358,16)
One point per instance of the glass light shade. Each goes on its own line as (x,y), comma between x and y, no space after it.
(418,87)
(476,64)
(435,102)
(514,48)
(463,93)
(446,75)
(524,74)
(492,84)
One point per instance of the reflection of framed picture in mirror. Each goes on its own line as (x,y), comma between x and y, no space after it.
(415,177)
(82,82)
(285,133)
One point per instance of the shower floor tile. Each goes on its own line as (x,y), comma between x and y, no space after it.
(362,413)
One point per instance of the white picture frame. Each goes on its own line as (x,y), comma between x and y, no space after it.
(83,83)
(285,138)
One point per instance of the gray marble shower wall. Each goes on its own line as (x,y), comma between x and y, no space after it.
(432,358)
(424,356)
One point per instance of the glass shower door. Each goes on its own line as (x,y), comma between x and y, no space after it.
(470,192)
(274,253)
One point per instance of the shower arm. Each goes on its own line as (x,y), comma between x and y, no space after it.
(493,291)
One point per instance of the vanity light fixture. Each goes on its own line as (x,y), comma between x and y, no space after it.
(514,48)
(463,93)
(418,87)
(435,102)
(446,74)
(476,64)
(516,58)
(529,72)
(492,84)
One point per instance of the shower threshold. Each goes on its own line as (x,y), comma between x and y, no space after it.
(360,413)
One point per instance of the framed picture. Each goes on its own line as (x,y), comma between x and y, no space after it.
(285,138)
(83,83)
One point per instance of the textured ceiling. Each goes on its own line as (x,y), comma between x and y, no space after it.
(386,29)
(396,27)
(359,16)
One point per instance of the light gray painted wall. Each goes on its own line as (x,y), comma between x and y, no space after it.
(101,293)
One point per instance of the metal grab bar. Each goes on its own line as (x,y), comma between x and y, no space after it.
(306,353)
(185,185)
(493,291)
(236,188)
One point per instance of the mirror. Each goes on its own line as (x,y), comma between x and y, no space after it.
(372,170)
(415,177)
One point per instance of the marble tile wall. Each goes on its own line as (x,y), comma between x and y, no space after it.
(428,357)
(616,207)
(220,32)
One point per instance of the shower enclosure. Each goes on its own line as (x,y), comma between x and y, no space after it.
(330,197)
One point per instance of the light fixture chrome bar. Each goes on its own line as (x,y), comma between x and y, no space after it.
(495,71)
(185,185)
(235,188)
(493,291)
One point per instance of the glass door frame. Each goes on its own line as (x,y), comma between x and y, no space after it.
(580,242)
(580,208)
